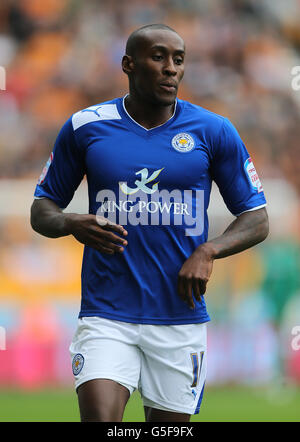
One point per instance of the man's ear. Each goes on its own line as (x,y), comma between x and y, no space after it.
(127,64)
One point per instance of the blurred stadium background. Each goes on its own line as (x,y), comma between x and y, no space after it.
(63,55)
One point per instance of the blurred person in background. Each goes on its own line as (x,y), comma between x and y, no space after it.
(142,323)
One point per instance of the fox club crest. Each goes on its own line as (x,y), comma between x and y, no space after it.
(183,142)
(77,364)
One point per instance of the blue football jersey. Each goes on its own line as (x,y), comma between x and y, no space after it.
(157,184)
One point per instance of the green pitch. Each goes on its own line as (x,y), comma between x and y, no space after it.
(219,405)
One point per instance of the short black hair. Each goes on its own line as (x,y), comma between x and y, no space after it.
(132,41)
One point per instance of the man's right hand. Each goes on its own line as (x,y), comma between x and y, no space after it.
(97,232)
(91,230)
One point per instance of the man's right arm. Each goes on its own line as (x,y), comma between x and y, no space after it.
(49,220)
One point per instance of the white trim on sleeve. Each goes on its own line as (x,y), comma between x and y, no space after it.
(251,210)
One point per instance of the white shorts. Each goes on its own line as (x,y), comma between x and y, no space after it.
(166,363)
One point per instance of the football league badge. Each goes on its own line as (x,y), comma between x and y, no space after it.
(252,175)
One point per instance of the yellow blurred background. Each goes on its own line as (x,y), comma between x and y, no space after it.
(63,55)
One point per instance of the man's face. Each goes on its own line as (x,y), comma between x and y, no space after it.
(158,66)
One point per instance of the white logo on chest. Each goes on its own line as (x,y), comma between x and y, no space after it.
(142,184)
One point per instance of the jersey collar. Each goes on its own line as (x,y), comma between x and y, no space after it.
(138,127)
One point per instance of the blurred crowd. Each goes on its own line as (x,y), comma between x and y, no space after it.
(63,55)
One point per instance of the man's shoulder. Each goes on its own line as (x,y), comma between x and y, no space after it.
(197,111)
(202,120)
(107,110)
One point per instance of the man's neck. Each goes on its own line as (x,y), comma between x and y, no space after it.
(148,115)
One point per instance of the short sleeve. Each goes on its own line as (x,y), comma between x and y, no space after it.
(64,170)
(234,172)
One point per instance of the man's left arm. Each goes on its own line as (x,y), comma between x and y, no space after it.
(247,230)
